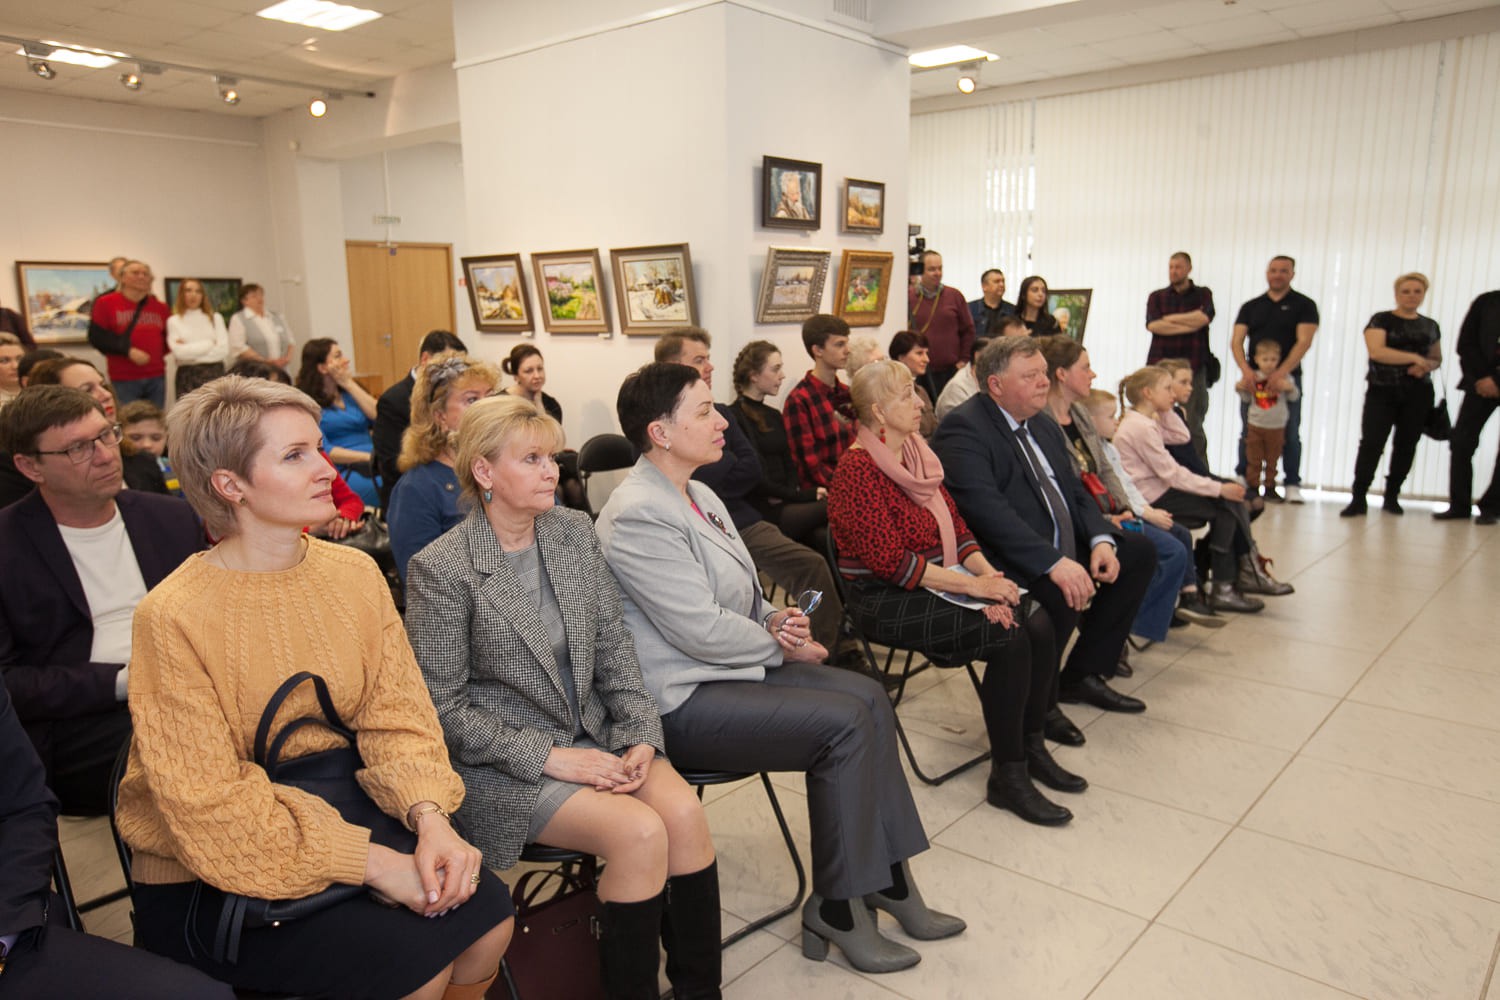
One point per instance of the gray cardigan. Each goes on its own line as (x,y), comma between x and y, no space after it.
(485,655)
(692,596)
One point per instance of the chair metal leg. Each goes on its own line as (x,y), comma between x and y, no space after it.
(791,847)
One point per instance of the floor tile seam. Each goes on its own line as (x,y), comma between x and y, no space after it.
(1477,671)
(1364,769)
(1104,977)
(1186,811)
(1424,715)
(1238,739)
(1043,882)
(1379,868)
(1493,900)
(1247,680)
(1489,976)
(1257,959)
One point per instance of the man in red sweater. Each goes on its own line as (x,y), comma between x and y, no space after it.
(129,327)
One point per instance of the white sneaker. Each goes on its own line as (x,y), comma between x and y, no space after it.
(1293,494)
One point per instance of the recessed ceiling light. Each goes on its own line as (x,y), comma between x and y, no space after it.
(317,107)
(948,55)
(76,55)
(318,14)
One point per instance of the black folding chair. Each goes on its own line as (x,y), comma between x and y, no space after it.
(603,453)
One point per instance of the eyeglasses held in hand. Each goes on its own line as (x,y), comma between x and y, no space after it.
(82,451)
(809,600)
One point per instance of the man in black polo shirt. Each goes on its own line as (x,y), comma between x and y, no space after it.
(1478,350)
(1178,318)
(990,308)
(1289,318)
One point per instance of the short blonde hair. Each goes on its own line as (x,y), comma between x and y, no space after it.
(216,427)
(1100,398)
(877,382)
(861,350)
(491,424)
(1416,276)
(424,440)
(1174,365)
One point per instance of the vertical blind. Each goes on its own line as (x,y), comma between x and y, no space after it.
(1362,167)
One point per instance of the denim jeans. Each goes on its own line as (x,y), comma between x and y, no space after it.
(1174,564)
(154,389)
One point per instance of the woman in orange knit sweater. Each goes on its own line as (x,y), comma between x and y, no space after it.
(212,643)
(918,580)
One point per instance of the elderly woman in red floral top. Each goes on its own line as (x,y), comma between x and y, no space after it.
(918,580)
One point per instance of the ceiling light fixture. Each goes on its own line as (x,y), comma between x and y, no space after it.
(317,107)
(130,81)
(318,14)
(80,55)
(968,77)
(948,56)
(36,60)
(227,89)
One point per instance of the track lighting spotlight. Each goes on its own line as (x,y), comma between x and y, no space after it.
(130,81)
(43,69)
(317,107)
(227,92)
(36,59)
(968,76)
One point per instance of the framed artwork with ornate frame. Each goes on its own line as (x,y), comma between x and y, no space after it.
(654,288)
(864,206)
(497,293)
(570,283)
(791,288)
(864,287)
(791,195)
(1070,307)
(57,297)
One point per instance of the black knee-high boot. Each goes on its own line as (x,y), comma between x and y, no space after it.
(630,948)
(690,931)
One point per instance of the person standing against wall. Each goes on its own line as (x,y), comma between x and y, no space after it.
(129,327)
(1479,360)
(1291,319)
(1178,317)
(939,312)
(990,308)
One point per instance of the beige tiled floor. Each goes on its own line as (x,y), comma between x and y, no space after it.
(1309,809)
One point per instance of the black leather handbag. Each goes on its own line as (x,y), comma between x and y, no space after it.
(330,775)
(1439,426)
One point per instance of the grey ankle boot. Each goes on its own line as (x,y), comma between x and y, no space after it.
(916,918)
(863,944)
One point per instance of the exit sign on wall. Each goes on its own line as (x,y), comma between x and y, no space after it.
(387,220)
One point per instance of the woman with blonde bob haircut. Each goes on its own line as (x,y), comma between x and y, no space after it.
(424,503)
(900,537)
(519,628)
(213,642)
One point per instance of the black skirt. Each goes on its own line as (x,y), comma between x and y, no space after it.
(358,949)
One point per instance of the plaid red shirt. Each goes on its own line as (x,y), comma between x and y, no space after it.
(819,428)
(1192,347)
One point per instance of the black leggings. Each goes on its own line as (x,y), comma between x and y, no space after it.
(1402,408)
(1020,662)
(1225,525)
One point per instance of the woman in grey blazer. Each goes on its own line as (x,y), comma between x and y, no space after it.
(740,682)
(516,622)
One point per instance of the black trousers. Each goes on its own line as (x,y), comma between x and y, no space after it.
(82,757)
(1105,625)
(1473,414)
(1402,408)
(65,963)
(1020,662)
(1193,511)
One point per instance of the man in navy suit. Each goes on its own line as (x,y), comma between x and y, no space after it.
(76,556)
(1012,480)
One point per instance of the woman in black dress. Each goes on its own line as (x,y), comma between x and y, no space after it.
(1404,352)
(1031,306)
(801,514)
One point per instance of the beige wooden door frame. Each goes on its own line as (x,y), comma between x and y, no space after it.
(397,293)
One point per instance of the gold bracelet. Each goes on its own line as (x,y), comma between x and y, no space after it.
(428,810)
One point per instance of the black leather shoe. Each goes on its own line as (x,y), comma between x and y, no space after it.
(1487,517)
(1224,597)
(1392,505)
(1451,514)
(1358,507)
(1042,767)
(1093,691)
(1124,669)
(1010,788)
(1060,729)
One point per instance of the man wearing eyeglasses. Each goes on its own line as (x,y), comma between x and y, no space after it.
(129,327)
(76,557)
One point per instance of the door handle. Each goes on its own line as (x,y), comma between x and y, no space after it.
(386,340)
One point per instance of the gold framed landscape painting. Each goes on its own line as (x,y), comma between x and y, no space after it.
(57,297)
(864,206)
(864,287)
(654,288)
(791,287)
(497,293)
(571,286)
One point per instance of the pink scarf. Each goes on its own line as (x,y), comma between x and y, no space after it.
(919,474)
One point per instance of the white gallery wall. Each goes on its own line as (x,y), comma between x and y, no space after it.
(1361,167)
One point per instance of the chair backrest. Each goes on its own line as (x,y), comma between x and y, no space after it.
(116,775)
(603,453)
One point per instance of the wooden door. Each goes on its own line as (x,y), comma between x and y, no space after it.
(397,294)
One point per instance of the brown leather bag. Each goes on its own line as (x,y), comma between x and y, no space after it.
(554,952)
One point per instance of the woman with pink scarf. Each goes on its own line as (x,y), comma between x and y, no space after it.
(917,580)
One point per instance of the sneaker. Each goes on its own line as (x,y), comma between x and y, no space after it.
(1293,493)
(1194,608)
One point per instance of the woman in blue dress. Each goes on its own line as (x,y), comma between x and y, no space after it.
(348,411)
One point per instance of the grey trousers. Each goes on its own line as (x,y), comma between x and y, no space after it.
(838,727)
(794,568)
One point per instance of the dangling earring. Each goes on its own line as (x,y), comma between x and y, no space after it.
(882,433)
(489,495)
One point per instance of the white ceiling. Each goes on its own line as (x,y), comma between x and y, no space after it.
(1038,40)
(1159,32)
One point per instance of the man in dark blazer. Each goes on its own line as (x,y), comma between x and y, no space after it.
(76,555)
(393,412)
(39,955)
(1478,351)
(1012,480)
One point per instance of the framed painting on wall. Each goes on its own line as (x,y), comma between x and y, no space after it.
(654,288)
(1070,307)
(223,294)
(569,282)
(864,287)
(864,206)
(791,288)
(57,298)
(791,195)
(497,293)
